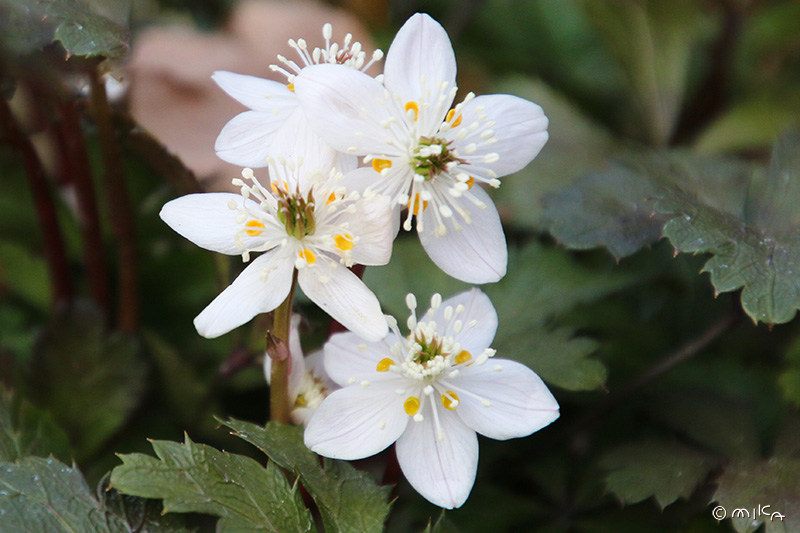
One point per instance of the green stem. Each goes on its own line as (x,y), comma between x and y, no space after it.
(278,350)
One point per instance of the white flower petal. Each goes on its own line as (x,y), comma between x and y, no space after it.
(442,471)
(374,220)
(315,363)
(343,296)
(356,422)
(256,93)
(419,58)
(207,220)
(520,132)
(346,108)
(520,402)
(250,294)
(478,319)
(246,138)
(296,140)
(477,253)
(348,357)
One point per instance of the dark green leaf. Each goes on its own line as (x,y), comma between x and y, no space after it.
(85,30)
(612,208)
(666,470)
(89,380)
(752,484)
(755,247)
(349,500)
(24,430)
(25,275)
(196,478)
(44,495)
(140,514)
(23,26)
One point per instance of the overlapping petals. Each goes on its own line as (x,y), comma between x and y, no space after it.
(430,392)
(427,155)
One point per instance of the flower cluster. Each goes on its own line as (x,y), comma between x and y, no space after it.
(352,158)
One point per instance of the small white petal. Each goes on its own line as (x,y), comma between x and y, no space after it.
(442,470)
(348,423)
(519,401)
(475,254)
(344,358)
(246,138)
(519,132)
(478,308)
(207,220)
(256,93)
(248,295)
(343,296)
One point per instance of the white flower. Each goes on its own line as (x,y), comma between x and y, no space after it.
(430,391)
(247,138)
(308,382)
(425,155)
(304,221)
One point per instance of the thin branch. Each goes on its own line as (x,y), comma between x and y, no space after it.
(119,209)
(692,348)
(76,170)
(54,249)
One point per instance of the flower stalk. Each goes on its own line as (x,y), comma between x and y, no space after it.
(278,351)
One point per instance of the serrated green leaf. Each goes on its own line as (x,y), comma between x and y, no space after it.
(349,500)
(23,26)
(749,485)
(616,208)
(84,31)
(755,247)
(665,470)
(38,495)
(75,355)
(140,514)
(24,430)
(612,208)
(197,478)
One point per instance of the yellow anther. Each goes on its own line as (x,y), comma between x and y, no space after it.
(254,224)
(381,164)
(384,364)
(415,107)
(416,201)
(332,198)
(344,241)
(275,187)
(411,405)
(290,87)
(450,117)
(307,255)
(470,182)
(463,357)
(449,403)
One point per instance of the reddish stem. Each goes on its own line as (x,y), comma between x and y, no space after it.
(119,209)
(54,249)
(76,171)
